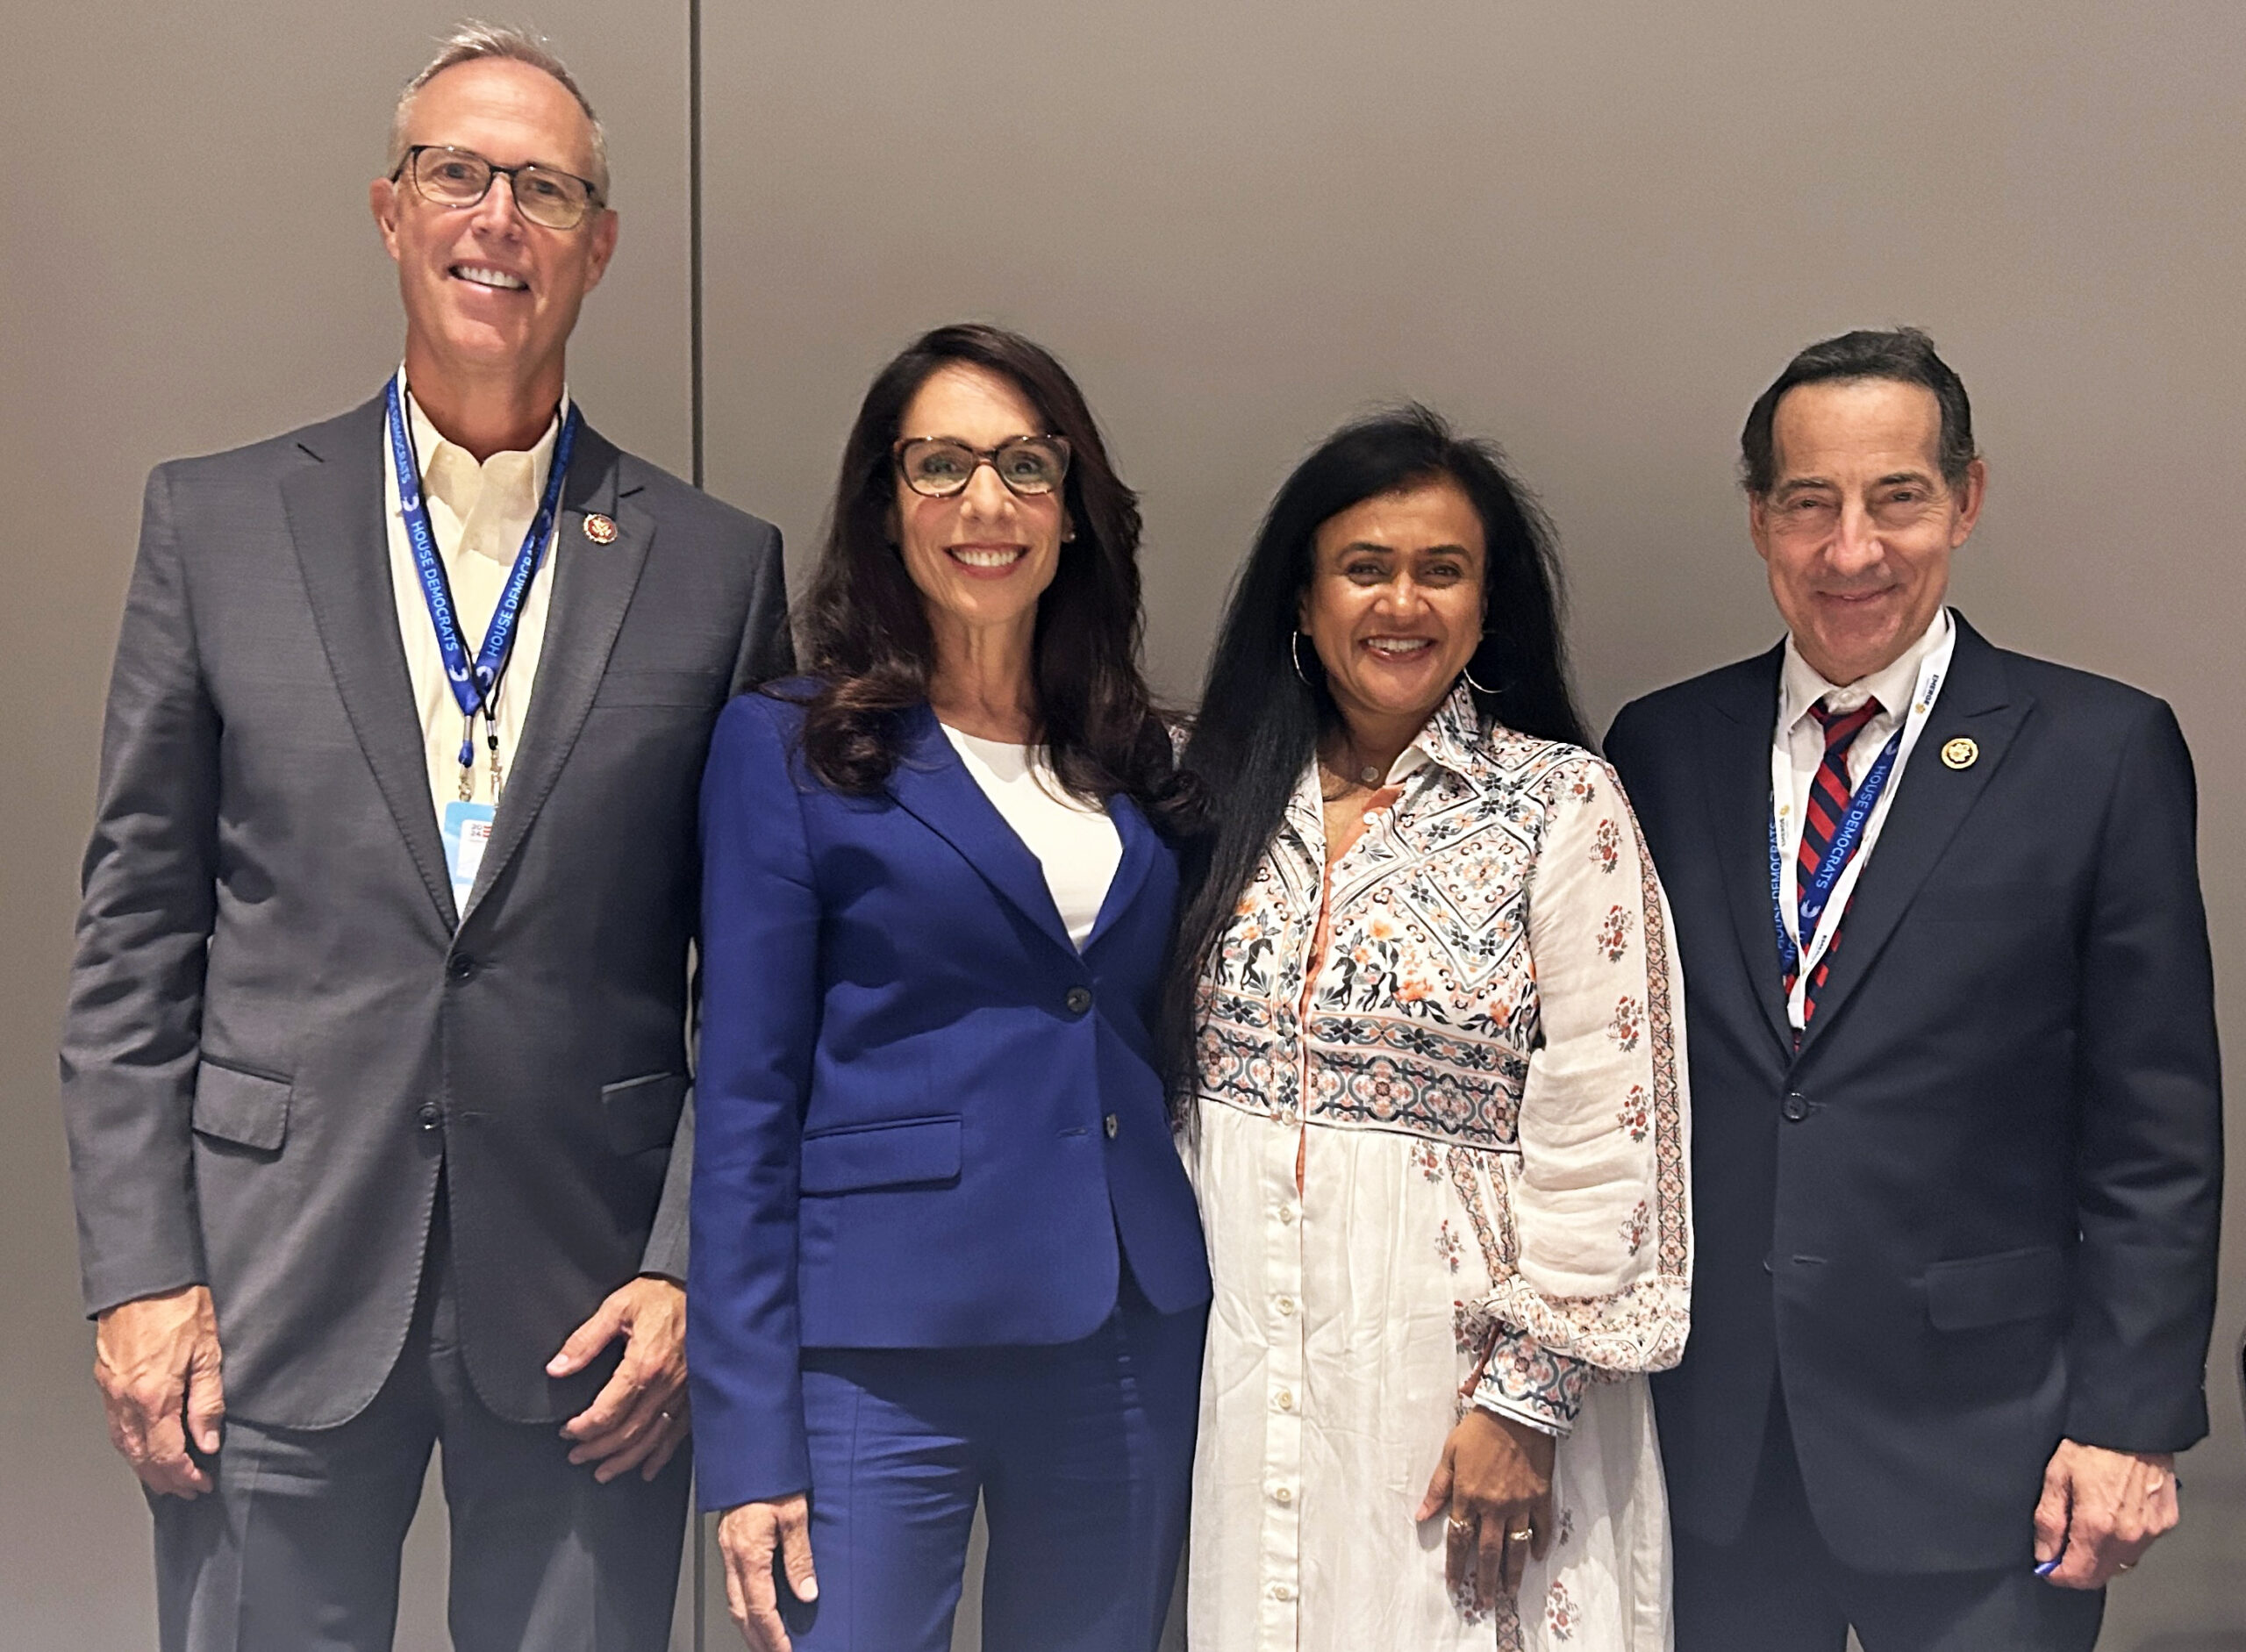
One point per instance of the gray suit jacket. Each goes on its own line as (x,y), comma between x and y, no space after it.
(283,1043)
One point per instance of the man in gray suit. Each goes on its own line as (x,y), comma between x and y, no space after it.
(375,1064)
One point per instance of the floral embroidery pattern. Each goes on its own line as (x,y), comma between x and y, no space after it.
(1614,936)
(1567,1528)
(1521,1377)
(1560,1613)
(1633,1231)
(1633,1115)
(1623,1029)
(1447,1247)
(1429,1157)
(1607,846)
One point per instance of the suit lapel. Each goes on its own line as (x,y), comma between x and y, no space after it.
(1139,847)
(334,510)
(1931,802)
(1736,773)
(931,784)
(593,587)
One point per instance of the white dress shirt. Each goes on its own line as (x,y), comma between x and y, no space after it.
(1798,750)
(1074,841)
(479,513)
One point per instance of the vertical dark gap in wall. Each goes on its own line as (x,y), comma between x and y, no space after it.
(694,303)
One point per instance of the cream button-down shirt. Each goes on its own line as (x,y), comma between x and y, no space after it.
(479,513)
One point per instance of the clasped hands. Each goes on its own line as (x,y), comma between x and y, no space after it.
(157,1362)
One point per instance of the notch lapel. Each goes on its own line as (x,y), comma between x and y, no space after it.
(334,509)
(592,588)
(1735,771)
(1931,802)
(931,785)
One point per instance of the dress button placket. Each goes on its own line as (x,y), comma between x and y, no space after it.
(1281,1545)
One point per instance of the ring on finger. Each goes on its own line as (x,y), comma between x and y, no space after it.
(1457,1525)
(1525,1535)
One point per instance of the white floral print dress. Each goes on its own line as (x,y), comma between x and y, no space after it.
(1440,1145)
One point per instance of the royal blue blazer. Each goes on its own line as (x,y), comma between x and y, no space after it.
(924,1118)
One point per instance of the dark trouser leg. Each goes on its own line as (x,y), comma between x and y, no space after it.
(297,1548)
(1090,1463)
(1772,1589)
(2011,1610)
(544,1558)
(892,1497)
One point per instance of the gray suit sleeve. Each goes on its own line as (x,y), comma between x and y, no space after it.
(767,652)
(133,1026)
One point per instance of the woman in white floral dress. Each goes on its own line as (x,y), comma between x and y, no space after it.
(1438,1117)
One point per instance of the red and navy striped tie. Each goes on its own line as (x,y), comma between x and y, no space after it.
(1828,802)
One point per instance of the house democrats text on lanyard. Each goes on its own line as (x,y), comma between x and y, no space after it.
(474,683)
(1821,904)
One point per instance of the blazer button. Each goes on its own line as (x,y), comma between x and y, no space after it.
(1796,1108)
(459,966)
(429,1118)
(1111,1126)
(1079,1001)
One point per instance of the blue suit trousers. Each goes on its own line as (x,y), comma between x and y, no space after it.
(1081,1453)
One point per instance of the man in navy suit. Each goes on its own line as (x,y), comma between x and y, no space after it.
(1958,1133)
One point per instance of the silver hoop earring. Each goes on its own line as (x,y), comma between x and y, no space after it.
(1468,673)
(1294,649)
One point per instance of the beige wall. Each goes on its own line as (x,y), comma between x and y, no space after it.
(1592,230)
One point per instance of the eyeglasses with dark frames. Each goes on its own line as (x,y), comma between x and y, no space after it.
(941,467)
(445,176)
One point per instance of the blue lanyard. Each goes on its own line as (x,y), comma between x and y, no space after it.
(1819,889)
(475,685)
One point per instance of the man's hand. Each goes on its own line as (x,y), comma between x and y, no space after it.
(157,1362)
(747,1534)
(2102,1510)
(1495,1481)
(639,1417)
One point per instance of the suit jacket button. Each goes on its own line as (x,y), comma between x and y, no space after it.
(429,1118)
(1111,1126)
(1079,1001)
(1796,1108)
(459,966)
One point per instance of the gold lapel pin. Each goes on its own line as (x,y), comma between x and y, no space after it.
(602,530)
(1961,754)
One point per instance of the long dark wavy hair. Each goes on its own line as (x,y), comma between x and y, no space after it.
(1262,715)
(866,640)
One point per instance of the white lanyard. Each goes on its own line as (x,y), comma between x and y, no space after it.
(1786,825)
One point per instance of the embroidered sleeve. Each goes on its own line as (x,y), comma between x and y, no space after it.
(1532,1384)
(1600,1202)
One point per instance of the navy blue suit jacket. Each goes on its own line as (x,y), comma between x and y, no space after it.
(1976,1211)
(924,1119)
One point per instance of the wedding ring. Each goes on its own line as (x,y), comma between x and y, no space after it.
(1522,1535)
(1457,1525)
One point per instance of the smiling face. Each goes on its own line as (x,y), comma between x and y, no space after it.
(1394,607)
(1858,526)
(487,292)
(984,556)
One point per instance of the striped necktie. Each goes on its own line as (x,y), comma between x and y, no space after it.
(1828,802)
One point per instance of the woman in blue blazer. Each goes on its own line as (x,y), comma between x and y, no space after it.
(942,1243)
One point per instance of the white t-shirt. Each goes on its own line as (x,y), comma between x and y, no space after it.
(1075,842)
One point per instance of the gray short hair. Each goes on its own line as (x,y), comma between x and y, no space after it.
(475,40)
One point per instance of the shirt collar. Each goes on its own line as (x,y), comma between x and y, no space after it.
(503,489)
(1801,685)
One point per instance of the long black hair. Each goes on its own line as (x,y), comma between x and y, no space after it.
(865,631)
(1263,714)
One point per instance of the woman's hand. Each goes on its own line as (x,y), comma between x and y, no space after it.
(1495,1484)
(747,1534)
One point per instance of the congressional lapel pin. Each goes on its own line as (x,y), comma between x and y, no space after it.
(602,530)
(1960,753)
